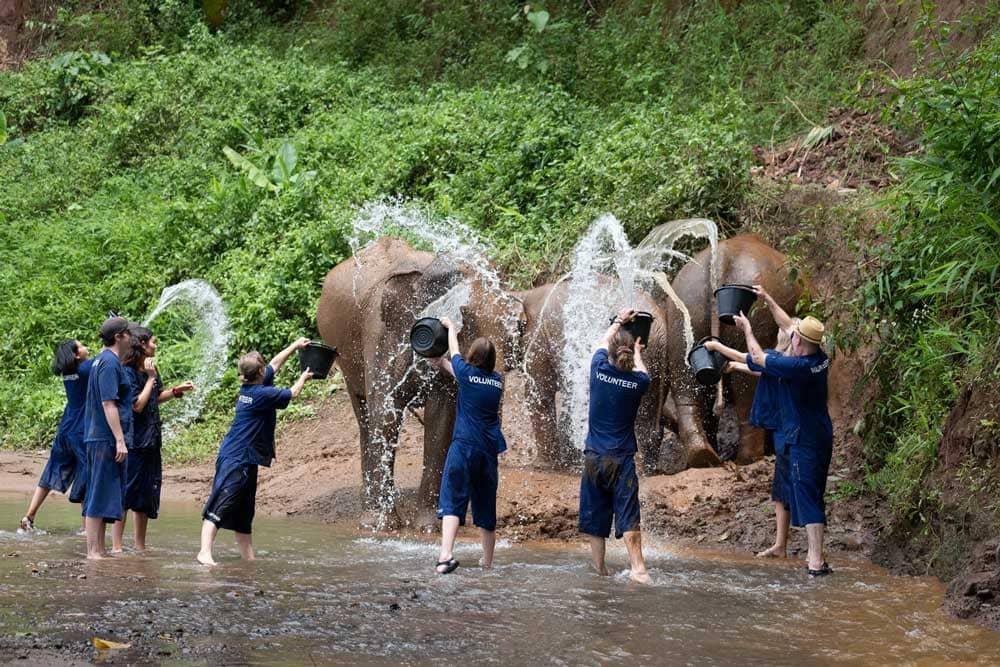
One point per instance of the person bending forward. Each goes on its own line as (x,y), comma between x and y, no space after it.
(470,470)
(248,444)
(609,486)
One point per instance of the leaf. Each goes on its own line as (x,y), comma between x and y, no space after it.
(288,155)
(256,175)
(818,135)
(538,19)
(105,644)
(514,54)
(3,128)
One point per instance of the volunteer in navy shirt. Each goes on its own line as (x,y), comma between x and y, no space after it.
(609,487)
(144,466)
(67,464)
(806,429)
(108,431)
(765,413)
(248,444)
(470,470)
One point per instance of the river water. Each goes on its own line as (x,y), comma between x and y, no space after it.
(325,593)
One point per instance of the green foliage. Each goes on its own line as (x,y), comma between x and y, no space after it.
(932,303)
(240,156)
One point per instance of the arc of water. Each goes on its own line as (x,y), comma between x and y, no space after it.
(214,327)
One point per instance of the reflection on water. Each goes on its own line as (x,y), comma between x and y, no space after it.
(330,594)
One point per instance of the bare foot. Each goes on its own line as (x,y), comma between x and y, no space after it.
(116,552)
(602,571)
(640,576)
(205,558)
(96,557)
(773,552)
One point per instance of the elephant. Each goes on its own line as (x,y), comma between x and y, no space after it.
(744,259)
(366,309)
(543,345)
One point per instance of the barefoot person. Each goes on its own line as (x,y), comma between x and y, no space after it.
(806,429)
(108,420)
(470,470)
(765,413)
(67,464)
(610,487)
(248,444)
(144,467)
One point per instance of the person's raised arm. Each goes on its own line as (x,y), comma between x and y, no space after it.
(444,364)
(280,358)
(754,349)
(731,354)
(781,318)
(301,382)
(739,367)
(142,398)
(176,391)
(453,348)
(624,315)
(640,365)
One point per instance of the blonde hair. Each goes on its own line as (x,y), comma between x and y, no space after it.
(784,342)
(251,367)
(621,352)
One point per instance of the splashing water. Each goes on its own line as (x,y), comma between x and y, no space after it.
(605,273)
(603,280)
(460,246)
(202,315)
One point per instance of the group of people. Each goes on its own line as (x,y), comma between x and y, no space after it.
(107,450)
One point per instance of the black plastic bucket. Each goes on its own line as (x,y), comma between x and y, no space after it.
(639,326)
(731,300)
(706,364)
(318,358)
(429,338)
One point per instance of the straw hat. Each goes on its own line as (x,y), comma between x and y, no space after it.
(811,330)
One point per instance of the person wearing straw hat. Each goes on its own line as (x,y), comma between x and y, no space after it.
(806,428)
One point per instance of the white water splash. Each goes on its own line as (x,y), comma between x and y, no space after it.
(211,330)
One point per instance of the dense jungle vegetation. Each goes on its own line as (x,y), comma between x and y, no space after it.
(142,147)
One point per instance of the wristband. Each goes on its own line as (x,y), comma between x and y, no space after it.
(176,392)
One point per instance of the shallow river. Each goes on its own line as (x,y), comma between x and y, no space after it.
(329,594)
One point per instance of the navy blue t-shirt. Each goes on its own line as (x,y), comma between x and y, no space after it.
(146,432)
(251,437)
(614,403)
(477,421)
(802,397)
(76,400)
(108,382)
(765,411)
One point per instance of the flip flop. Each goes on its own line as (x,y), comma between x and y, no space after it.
(449,566)
(821,572)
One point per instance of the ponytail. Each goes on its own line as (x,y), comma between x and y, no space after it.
(621,352)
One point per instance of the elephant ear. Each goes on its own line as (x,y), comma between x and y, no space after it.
(407,292)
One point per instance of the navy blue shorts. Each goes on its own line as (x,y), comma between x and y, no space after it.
(808,469)
(780,490)
(79,489)
(233,501)
(60,469)
(105,482)
(143,478)
(609,487)
(470,474)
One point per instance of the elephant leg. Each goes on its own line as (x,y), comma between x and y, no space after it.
(542,412)
(379,463)
(649,431)
(439,424)
(692,435)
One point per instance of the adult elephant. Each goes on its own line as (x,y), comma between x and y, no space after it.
(743,259)
(546,378)
(367,307)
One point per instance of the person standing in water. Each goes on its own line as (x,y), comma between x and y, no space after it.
(108,420)
(471,469)
(248,444)
(144,466)
(806,428)
(765,413)
(67,464)
(609,486)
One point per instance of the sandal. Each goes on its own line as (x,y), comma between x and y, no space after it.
(449,566)
(821,572)
(27,524)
